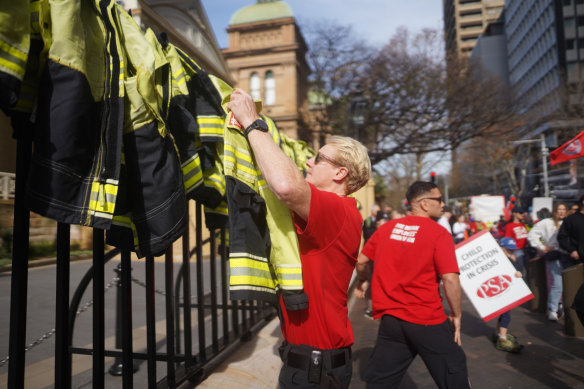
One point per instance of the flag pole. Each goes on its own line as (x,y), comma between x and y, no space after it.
(544,162)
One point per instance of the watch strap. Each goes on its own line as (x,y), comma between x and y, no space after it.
(258,124)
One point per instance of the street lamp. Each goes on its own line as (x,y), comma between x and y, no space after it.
(357,110)
(544,156)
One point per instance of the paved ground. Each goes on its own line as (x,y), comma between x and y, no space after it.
(550,359)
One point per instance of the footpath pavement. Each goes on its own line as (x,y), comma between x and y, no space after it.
(550,359)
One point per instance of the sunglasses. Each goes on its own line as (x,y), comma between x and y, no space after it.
(439,199)
(320,157)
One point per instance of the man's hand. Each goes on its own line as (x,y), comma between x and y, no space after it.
(456,320)
(574,255)
(360,289)
(243,108)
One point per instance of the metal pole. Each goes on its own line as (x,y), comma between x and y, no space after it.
(62,352)
(117,368)
(19,279)
(98,309)
(544,155)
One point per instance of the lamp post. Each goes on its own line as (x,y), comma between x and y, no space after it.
(544,155)
(357,110)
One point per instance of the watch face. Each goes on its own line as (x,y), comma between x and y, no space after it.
(261,125)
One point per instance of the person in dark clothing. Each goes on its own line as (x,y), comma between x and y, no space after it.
(369,224)
(571,235)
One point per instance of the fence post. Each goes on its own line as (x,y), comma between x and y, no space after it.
(117,367)
(19,281)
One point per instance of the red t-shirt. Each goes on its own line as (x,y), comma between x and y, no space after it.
(518,232)
(410,254)
(329,243)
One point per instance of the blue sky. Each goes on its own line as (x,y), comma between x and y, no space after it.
(372,20)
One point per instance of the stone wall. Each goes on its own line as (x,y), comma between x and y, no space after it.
(41,228)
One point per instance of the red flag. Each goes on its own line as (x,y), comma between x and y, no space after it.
(570,150)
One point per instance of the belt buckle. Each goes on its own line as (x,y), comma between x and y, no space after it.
(315,367)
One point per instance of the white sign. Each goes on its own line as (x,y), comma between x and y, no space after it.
(487,209)
(487,276)
(539,203)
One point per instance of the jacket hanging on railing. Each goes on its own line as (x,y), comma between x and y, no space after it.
(22,58)
(196,119)
(199,109)
(264,257)
(77,141)
(154,205)
(15,42)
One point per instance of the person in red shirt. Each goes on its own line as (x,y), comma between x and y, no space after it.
(316,351)
(516,229)
(411,256)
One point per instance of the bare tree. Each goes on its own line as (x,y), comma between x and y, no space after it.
(336,57)
(492,165)
(415,104)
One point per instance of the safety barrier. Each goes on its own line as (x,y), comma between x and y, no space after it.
(231,322)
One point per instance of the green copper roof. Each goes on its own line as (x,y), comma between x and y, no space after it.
(262,10)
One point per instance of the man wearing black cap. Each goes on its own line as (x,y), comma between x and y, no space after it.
(516,230)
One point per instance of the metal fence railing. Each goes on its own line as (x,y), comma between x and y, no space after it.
(201,325)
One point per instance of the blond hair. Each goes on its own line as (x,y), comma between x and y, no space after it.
(351,154)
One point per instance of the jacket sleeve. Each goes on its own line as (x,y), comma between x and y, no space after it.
(564,237)
(536,235)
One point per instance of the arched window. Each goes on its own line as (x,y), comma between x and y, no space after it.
(270,88)
(254,86)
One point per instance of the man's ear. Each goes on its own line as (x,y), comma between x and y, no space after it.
(423,205)
(341,174)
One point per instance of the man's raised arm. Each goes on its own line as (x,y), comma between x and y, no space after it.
(280,173)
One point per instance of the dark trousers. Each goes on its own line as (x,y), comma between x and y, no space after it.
(335,368)
(399,342)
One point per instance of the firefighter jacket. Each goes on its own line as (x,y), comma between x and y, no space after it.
(264,257)
(15,42)
(75,166)
(151,208)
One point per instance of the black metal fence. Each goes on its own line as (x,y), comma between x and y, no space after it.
(219,326)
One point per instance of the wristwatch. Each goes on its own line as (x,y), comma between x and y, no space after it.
(259,124)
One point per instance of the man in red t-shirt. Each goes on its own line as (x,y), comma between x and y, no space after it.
(317,348)
(516,229)
(411,256)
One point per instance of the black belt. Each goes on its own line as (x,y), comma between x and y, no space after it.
(301,361)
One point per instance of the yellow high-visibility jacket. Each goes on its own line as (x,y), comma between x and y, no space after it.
(264,257)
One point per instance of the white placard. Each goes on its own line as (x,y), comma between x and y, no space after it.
(539,203)
(487,209)
(487,276)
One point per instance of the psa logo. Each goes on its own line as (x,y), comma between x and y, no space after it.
(494,286)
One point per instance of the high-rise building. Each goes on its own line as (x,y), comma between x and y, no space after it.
(465,21)
(534,31)
(490,52)
(546,70)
